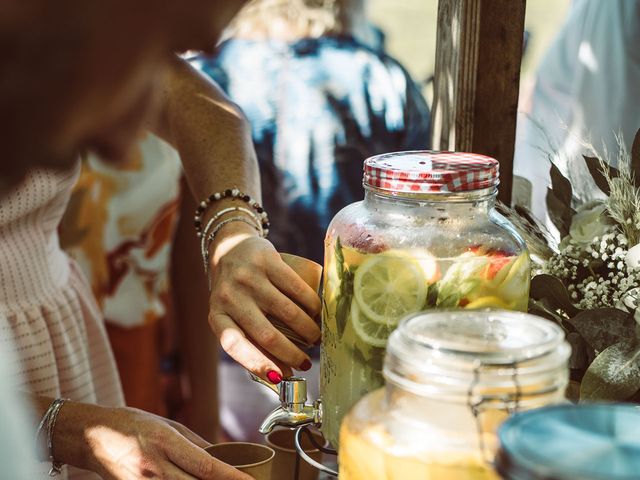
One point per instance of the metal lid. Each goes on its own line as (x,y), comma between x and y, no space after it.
(431,172)
(568,442)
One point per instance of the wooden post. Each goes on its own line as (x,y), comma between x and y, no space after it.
(477,80)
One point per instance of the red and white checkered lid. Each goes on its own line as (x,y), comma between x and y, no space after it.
(431,172)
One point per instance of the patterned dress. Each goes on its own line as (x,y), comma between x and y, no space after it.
(48,316)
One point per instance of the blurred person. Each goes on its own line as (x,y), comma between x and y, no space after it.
(105,62)
(586,91)
(320,100)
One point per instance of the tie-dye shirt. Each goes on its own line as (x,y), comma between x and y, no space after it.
(119,227)
(318,108)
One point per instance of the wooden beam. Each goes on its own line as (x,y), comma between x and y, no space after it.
(477,80)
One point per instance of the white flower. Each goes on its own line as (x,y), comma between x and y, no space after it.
(589,222)
(629,301)
(633,257)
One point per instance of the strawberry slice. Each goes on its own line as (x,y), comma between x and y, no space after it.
(358,237)
(498,259)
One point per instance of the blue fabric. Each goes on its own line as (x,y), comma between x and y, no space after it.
(318,108)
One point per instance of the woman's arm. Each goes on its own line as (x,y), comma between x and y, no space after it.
(248,278)
(125,443)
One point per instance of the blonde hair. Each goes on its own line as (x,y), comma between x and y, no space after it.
(290,19)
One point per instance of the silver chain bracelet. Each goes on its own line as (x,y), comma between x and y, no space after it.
(48,422)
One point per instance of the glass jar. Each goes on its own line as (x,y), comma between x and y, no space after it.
(426,236)
(452,378)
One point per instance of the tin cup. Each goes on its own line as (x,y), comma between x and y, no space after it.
(251,458)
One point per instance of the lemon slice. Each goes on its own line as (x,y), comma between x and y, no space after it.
(388,287)
(372,333)
(423,258)
(487,302)
(352,257)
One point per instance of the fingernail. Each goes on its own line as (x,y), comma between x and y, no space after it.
(306,365)
(318,342)
(274,377)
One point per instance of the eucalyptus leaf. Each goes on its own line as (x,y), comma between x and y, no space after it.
(553,290)
(561,186)
(595,169)
(559,198)
(579,358)
(602,327)
(635,158)
(537,307)
(560,213)
(614,375)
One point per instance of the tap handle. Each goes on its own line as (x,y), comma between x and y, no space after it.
(270,386)
(293,390)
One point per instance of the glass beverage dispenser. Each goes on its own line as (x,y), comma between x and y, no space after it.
(426,236)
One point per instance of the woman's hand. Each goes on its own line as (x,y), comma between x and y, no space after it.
(129,444)
(249,280)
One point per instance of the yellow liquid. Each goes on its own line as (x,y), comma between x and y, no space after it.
(367,455)
(351,367)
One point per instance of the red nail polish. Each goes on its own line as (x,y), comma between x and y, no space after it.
(306,365)
(274,377)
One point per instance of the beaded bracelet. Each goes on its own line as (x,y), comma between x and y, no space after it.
(49,421)
(233,193)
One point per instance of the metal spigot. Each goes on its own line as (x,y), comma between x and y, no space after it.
(293,410)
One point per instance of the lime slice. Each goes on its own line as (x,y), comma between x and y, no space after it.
(372,333)
(389,287)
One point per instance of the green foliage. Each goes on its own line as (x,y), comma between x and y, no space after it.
(346,290)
